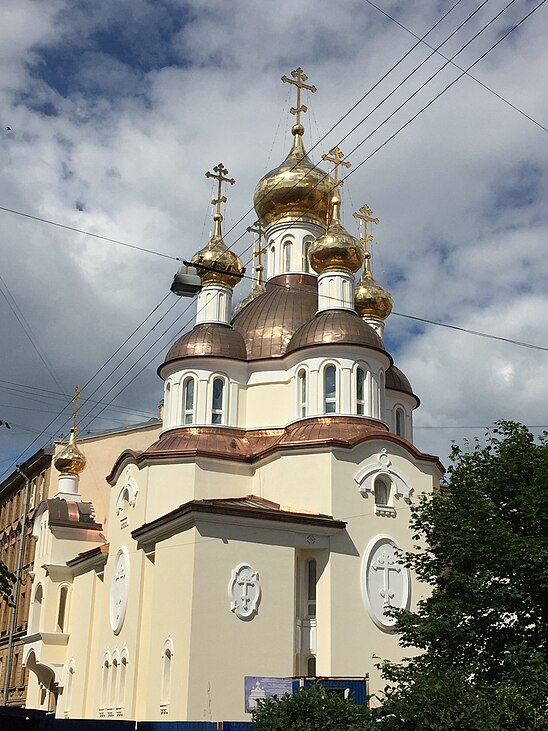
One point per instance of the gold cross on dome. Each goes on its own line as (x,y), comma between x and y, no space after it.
(365,216)
(336,156)
(221,178)
(258,252)
(299,77)
(75,406)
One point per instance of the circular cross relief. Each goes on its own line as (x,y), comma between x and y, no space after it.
(119,589)
(385,581)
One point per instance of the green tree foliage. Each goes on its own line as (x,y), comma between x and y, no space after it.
(311,709)
(6,582)
(482,543)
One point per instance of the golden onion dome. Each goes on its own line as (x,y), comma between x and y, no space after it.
(336,249)
(370,298)
(70,461)
(296,190)
(216,263)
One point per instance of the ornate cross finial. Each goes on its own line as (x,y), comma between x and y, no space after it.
(299,77)
(336,156)
(75,406)
(221,178)
(365,216)
(258,253)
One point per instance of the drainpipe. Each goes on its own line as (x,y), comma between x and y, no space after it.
(17,585)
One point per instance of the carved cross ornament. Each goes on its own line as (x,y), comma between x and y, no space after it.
(244,591)
(385,581)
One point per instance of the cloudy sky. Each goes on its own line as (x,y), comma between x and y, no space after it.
(116,110)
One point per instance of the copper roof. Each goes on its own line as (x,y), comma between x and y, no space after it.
(71,514)
(397,381)
(335,326)
(211,339)
(249,506)
(268,322)
(251,445)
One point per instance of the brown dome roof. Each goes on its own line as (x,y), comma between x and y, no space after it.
(268,322)
(209,338)
(397,381)
(335,326)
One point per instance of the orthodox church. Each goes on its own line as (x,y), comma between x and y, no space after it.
(258,536)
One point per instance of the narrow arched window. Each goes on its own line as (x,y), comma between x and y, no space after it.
(330,389)
(62,611)
(166,676)
(122,684)
(311,578)
(70,683)
(360,391)
(287,256)
(167,405)
(311,667)
(272,262)
(104,684)
(382,491)
(303,392)
(36,610)
(217,401)
(188,400)
(306,261)
(400,422)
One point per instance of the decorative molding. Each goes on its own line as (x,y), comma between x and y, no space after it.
(385,581)
(365,478)
(244,591)
(119,590)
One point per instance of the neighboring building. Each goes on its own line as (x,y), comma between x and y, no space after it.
(12,503)
(258,535)
(102,449)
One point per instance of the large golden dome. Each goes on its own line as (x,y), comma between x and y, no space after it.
(227,266)
(297,190)
(370,298)
(70,461)
(336,249)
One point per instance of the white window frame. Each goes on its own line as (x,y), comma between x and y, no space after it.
(223,411)
(302,398)
(330,400)
(189,414)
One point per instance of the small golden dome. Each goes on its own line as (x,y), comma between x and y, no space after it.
(71,461)
(296,190)
(336,249)
(227,265)
(370,299)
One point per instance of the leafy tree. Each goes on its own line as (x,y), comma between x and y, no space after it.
(6,582)
(482,543)
(311,709)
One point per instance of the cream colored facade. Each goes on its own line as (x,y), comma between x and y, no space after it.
(258,534)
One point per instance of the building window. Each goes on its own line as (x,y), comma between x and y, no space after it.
(311,578)
(62,612)
(167,659)
(36,609)
(188,400)
(113,683)
(330,389)
(287,256)
(167,405)
(311,667)
(306,261)
(104,683)
(217,401)
(360,392)
(382,491)
(122,684)
(303,388)
(400,422)
(70,684)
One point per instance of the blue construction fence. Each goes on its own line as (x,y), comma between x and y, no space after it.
(27,719)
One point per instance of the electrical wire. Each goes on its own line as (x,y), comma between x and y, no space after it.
(474,78)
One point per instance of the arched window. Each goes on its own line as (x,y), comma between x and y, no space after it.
(382,491)
(104,682)
(70,684)
(306,261)
(311,578)
(381,394)
(303,392)
(330,389)
(122,683)
(188,400)
(62,611)
(287,255)
(167,405)
(167,658)
(272,261)
(113,683)
(400,422)
(36,609)
(311,667)
(217,401)
(360,391)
